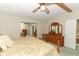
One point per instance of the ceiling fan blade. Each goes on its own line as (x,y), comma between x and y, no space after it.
(36,9)
(63,6)
(46,10)
(49,4)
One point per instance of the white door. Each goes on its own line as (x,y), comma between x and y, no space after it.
(70,34)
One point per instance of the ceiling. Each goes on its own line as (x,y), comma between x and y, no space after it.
(25,10)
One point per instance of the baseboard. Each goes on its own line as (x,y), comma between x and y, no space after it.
(77,44)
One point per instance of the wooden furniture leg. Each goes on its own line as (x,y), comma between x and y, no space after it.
(58,46)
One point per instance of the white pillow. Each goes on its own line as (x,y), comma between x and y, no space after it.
(6,39)
(3,46)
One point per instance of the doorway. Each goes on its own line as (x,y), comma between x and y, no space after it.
(28,28)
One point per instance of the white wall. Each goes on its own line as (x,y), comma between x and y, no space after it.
(77,27)
(10,25)
(74,15)
(42,27)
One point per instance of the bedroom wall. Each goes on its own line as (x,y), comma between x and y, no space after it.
(74,15)
(43,27)
(78,27)
(10,25)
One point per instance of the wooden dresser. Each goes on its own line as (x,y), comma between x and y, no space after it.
(55,34)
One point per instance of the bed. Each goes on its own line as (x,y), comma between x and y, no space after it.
(30,46)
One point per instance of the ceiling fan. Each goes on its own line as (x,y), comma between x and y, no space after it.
(43,7)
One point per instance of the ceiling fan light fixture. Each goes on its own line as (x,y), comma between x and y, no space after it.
(43,7)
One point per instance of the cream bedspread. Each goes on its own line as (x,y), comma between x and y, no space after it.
(30,46)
